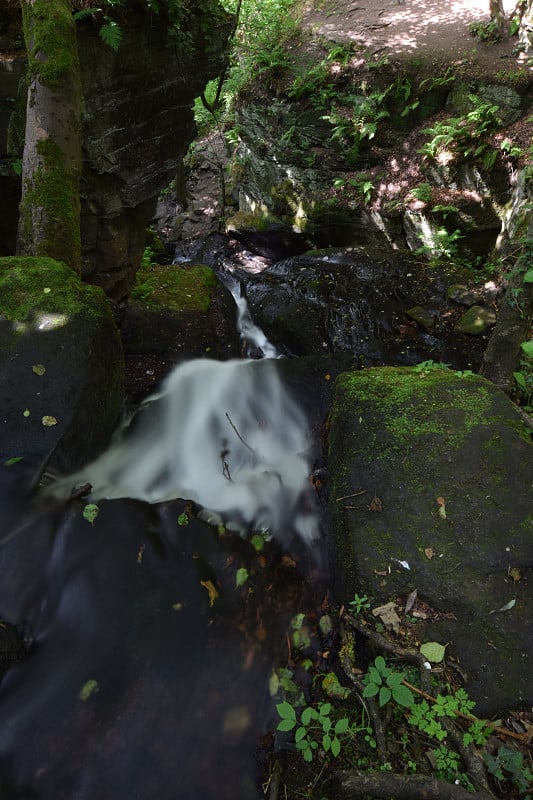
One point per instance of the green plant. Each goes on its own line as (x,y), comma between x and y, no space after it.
(315,730)
(443,244)
(359,603)
(485,31)
(422,192)
(353,123)
(382,681)
(509,764)
(524,376)
(465,135)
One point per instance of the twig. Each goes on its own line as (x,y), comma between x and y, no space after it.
(355,494)
(239,435)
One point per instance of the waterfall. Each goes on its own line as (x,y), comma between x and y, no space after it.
(226,435)
(254,338)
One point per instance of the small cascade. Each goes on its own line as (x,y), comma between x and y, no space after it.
(257,344)
(226,435)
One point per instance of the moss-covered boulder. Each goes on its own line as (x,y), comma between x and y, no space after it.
(61,366)
(181,310)
(432,489)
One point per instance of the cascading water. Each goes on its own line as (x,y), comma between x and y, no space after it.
(223,434)
(253,336)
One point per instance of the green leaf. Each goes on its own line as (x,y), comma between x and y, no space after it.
(385,695)
(111,34)
(308,755)
(300,734)
(14,460)
(286,724)
(403,696)
(342,725)
(433,651)
(335,747)
(90,512)
(286,711)
(183,518)
(324,708)
(520,379)
(258,542)
(370,690)
(528,277)
(380,663)
(88,689)
(307,715)
(241,576)
(527,347)
(326,742)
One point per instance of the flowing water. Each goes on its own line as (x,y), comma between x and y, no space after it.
(147,668)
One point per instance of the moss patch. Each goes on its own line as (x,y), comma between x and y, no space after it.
(50,34)
(176,288)
(30,287)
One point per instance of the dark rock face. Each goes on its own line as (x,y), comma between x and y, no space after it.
(138,124)
(61,366)
(357,301)
(431,490)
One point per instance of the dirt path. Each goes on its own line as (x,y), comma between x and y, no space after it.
(405,29)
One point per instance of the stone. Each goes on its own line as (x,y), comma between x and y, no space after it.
(455,514)
(476,320)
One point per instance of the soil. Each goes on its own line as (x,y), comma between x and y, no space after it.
(409,30)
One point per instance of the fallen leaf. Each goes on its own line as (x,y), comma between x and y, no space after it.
(433,651)
(241,576)
(38,369)
(507,607)
(375,504)
(388,616)
(140,554)
(47,290)
(409,603)
(88,689)
(14,460)
(177,607)
(213,594)
(327,377)
(515,574)
(287,561)
(49,421)
(26,412)
(441,501)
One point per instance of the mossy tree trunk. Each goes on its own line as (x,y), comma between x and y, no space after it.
(49,223)
(525,32)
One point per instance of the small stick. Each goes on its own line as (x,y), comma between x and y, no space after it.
(239,435)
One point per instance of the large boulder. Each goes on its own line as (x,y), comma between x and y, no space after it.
(61,366)
(432,489)
(384,306)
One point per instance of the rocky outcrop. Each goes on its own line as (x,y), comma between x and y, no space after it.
(431,490)
(138,124)
(381,306)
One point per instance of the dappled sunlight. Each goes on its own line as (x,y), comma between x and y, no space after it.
(410,26)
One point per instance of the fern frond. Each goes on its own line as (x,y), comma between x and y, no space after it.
(84,13)
(111,33)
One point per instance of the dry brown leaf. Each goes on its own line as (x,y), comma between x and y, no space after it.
(213,594)
(429,552)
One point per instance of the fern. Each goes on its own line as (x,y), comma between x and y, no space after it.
(84,13)
(111,33)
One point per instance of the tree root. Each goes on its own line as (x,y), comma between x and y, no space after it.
(402,787)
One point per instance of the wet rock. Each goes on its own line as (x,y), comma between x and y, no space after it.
(455,513)
(355,300)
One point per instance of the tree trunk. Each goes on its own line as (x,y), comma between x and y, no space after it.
(49,222)
(497,14)
(525,31)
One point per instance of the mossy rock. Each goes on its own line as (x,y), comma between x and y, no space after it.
(438,462)
(175,288)
(61,365)
(183,311)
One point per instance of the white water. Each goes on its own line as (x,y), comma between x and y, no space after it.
(250,333)
(226,435)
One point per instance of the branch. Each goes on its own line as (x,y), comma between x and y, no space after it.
(402,787)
